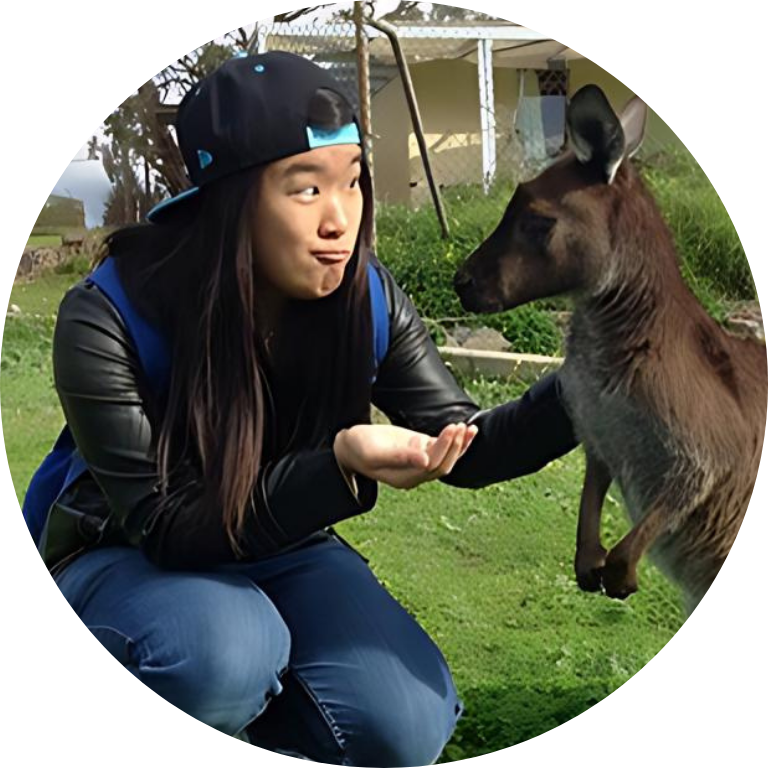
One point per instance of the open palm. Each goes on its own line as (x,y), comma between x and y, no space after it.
(402,457)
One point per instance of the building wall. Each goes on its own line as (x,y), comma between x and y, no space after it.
(449,103)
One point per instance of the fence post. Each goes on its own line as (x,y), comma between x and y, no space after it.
(413,107)
(487,111)
(364,95)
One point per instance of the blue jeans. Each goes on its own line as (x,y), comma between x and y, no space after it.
(304,651)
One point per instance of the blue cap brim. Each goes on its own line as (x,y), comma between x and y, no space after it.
(347,134)
(165,206)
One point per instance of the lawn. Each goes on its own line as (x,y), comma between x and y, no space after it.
(488,573)
(38,241)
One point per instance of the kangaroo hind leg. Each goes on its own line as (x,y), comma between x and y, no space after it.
(620,571)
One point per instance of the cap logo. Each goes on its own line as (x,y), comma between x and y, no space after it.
(204,158)
(259,68)
(347,134)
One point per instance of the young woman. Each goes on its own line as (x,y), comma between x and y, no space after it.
(196,543)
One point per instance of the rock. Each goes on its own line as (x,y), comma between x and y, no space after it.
(487,339)
(450,341)
(35,260)
(25,265)
(747,322)
(748,329)
(460,334)
(14,310)
(72,241)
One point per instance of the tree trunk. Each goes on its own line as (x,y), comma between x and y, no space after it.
(166,158)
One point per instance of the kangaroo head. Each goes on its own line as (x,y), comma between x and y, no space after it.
(554,236)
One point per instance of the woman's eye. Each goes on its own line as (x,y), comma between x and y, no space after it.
(312,191)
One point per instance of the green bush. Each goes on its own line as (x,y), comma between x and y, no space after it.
(409,243)
(711,255)
(27,344)
(78,266)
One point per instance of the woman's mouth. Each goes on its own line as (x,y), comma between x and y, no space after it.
(329,258)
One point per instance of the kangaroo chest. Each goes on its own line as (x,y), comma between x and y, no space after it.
(615,427)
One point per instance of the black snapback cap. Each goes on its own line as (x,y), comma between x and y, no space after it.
(250,111)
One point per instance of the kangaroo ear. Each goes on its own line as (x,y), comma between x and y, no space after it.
(633,118)
(594,130)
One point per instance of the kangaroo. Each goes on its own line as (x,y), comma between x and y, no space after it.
(664,401)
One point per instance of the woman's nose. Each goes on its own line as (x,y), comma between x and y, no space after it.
(334,221)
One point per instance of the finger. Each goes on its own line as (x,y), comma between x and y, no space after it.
(470,435)
(453,453)
(420,459)
(441,446)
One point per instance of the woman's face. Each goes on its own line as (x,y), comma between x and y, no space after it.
(306,219)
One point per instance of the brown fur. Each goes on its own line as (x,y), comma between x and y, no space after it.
(665,402)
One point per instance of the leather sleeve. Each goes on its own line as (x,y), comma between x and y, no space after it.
(109,411)
(415,389)
(107,406)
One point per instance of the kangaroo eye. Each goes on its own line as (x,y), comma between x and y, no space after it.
(536,227)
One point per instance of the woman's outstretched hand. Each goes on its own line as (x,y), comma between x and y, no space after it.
(401,457)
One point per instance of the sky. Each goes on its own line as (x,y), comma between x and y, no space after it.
(86,180)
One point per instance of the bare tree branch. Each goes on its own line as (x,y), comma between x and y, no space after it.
(293,15)
(240,36)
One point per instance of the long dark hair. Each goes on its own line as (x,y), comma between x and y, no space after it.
(230,406)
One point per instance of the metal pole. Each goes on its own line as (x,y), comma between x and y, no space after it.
(487,113)
(364,95)
(413,107)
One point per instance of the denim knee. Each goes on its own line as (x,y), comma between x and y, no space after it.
(397,726)
(221,662)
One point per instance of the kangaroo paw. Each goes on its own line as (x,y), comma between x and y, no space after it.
(589,566)
(619,576)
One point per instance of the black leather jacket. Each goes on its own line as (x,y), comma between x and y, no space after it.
(106,404)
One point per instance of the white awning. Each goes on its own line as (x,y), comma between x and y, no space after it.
(513,46)
(531,55)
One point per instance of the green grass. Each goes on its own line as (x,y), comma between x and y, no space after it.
(488,573)
(38,241)
(42,295)
(30,408)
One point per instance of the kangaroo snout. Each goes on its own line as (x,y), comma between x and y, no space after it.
(462,280)
(472,298)
(464,285)
(476,288)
